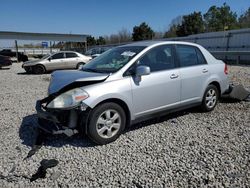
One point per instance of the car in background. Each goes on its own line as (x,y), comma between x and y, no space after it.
(95,52)
(56,61)
(129,84)
(5,61)
(20,56)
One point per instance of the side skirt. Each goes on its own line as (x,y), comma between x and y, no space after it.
(162,113)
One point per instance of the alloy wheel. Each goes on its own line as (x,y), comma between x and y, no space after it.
(211,98)
(108,123)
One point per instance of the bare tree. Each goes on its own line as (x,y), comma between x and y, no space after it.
(124,35)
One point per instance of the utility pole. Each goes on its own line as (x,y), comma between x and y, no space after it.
(50,46)
(16,50)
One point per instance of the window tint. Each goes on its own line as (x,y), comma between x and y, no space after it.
(58,56)
(71,55)
(201,58)
(159,58)
(187,55)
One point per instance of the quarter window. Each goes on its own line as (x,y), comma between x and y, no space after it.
(58,56)
(201,58)
(159,58)
(71,55)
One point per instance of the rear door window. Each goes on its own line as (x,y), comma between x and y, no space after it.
(71,55)
(187,55)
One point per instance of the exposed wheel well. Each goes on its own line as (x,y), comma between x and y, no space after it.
(78,64)
(217,85)
(123,105)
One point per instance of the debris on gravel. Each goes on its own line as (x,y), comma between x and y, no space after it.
(184,149)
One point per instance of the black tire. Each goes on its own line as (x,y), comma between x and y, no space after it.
(39,69)
(79,64)
(95,132)
(210,98)
(28,69)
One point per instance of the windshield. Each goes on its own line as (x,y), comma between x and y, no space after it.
(112,60)
(46,56)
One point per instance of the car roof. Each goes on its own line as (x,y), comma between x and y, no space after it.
(66,52)
(154,42)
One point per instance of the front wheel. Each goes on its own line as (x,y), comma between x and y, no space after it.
(78,65)
(28,70)
(210,98)
(107,121)
(39,69)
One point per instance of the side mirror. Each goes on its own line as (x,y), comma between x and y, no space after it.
(142,70)
(49,58)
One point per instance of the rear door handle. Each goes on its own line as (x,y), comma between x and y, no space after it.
(204,70)
(173,76)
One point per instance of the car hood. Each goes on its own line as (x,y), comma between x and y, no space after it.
(32,62)
(64,80)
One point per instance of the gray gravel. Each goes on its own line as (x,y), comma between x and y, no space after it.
(187,149)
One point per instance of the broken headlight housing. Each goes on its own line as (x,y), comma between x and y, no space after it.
(69,99)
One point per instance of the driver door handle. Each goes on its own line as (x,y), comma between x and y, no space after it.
(173,76)
(204,70)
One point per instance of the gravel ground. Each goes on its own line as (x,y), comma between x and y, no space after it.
(187,149)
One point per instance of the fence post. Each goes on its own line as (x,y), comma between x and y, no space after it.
(16,50)
(227,44)
(238,60)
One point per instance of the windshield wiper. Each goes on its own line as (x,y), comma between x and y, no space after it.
(92,70)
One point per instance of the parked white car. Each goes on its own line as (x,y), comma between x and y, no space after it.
(56,61)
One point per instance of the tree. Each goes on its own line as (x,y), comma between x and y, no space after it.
(100,41)
(91,41)
(220,18)
(158,35)
(124,35)
(191,24)
(114,38)
(171,32)
(142,32)
(244,20)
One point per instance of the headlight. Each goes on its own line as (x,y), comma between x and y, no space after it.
(69,99)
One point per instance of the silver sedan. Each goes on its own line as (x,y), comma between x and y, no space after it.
(131,83)
(56,61)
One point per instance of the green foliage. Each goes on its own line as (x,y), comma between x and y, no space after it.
(220,18)
(91,41)
(244,20)
(171,32)
(191,24)
(100,41)
(142,32)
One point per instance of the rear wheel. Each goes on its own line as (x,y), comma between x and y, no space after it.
(39,69)
(107,121)
(210,98)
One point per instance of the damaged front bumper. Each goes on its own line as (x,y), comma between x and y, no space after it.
(61,121)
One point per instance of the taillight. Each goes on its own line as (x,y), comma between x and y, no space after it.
(225,69)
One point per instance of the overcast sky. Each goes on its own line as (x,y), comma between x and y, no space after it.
(99,17)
